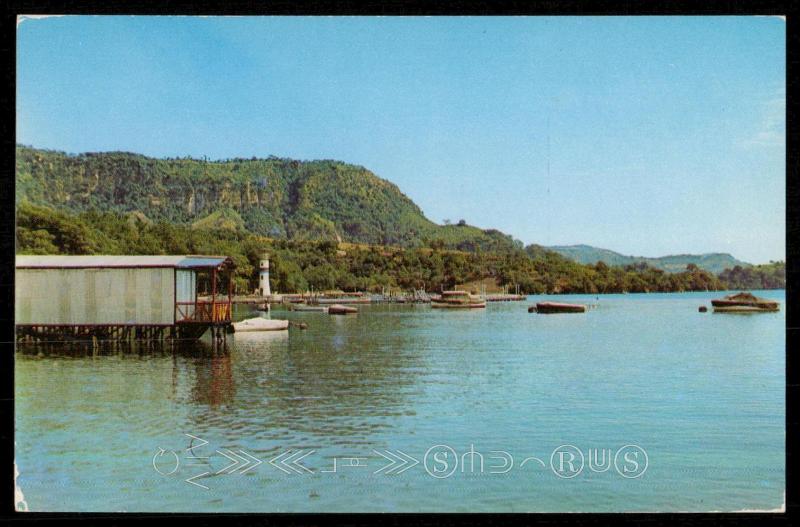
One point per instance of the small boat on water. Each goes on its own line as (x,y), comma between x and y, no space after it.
(744,302)
(743,309)
(458,299)
(339,309)
(260,324)
(306,307)
(556,307)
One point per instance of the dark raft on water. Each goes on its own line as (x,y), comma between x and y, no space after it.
(557,307)
(339,309)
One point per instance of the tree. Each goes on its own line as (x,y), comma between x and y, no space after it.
(35,242)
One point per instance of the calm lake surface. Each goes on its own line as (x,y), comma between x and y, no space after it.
(701,394)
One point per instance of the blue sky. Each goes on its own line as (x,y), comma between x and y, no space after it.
(645,135)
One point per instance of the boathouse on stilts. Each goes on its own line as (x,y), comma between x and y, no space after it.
(98,297)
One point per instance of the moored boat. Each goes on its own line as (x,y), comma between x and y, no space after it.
(558,307)
(260,324)
(458,299)
(306,307)
(744,302)
(339,309)
(743,309)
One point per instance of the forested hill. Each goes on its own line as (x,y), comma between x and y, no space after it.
(273,197)
(302,214)
(586,254)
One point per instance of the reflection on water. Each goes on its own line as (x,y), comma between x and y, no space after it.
(341,367)
(299,385)
(214,384)
(703,394)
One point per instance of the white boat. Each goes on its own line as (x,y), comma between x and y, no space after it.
(305,307)
(260,324)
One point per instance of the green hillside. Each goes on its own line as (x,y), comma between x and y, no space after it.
(225,218)
(274,197)
(297,265)
(586,254)
(326,224)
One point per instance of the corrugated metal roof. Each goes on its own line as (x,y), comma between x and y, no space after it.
(61,261)
(202,261)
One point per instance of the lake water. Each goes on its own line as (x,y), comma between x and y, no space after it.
(690,406)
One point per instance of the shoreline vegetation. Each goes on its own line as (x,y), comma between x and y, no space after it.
(326,225)
(298,266)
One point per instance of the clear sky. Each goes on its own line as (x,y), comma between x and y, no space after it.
(644,135)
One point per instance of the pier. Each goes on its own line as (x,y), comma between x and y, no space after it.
(324,298)
(122,298)
(504,297)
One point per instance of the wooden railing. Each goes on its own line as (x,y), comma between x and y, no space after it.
(209,312)
(221,311)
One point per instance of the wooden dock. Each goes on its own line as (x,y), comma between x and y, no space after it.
(125,298)
(504,297)
(358,298)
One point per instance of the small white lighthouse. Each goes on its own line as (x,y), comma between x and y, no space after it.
(263,276)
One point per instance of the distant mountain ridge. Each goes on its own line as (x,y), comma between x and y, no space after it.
(586,254)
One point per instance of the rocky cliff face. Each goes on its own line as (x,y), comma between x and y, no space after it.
(273,197)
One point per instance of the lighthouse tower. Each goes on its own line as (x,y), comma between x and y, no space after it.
(263,276)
